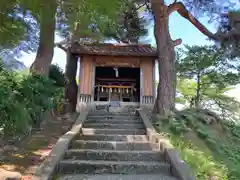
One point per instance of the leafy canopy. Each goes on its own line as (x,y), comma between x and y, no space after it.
(205,75)
(87,18)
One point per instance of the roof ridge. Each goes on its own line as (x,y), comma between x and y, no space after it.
(115,44)
(115,49)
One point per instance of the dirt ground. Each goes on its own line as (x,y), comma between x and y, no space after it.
(27,155)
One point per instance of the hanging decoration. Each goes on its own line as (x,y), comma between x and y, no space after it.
(116,88)
(116,72)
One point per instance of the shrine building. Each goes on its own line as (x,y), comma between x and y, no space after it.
(116,72)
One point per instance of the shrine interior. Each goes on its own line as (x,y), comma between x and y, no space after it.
(117,84)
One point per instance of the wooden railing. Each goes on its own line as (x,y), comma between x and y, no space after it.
(147,100)
(86,98)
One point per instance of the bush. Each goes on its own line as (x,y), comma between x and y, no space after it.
(23,99)
(209,144)
(56,74)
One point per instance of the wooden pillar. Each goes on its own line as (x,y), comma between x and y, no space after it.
(79,83)
(146,81)
(86,73)
(81,69)
(109,95)
(93,81)
(121,94)
(141,85)
(154,81)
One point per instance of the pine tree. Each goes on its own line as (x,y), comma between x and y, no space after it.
(165,45)
(204,77)
(130,26)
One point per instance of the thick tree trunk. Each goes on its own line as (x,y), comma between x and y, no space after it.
(46,43)
(71,85)
(71,88)
(165,101)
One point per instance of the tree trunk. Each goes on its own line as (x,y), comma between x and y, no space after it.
(192,101)
(165,101)
(71,88)
(197,99)
(46,43)
(71,85)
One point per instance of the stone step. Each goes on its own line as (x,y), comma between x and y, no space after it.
(113,126)
(117,177)
(92,131)
(128,138)
(111,117)
(111,121)
(113,155)
(103,113)
(112,167)
(112,145)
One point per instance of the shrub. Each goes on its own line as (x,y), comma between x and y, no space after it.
(56,74)
(23,99)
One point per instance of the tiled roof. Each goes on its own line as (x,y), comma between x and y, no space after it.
(115,49)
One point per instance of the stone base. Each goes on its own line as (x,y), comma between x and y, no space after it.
(117,177)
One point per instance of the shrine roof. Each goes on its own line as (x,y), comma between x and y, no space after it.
(115,49)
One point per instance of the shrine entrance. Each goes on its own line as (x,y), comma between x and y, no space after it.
(117,84)
(115,74)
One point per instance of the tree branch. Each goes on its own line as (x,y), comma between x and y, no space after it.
(61,47)
(147,5)
(177,42)
(182,10)
(140,6)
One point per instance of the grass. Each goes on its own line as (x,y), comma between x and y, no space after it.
(211,150)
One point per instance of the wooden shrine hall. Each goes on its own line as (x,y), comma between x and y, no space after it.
(116,72)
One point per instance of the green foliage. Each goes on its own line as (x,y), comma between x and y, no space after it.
(89,18)
(130,26)
(187,90)
(207,61)
(57,75)
(12,29)
(23,99)
(207,141)
(212,150)
(204,78)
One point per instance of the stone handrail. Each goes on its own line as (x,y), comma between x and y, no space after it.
(179,168)
(46,170)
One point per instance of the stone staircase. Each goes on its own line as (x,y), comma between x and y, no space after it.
(113,146)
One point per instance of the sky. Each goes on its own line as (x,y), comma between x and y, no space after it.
(179,28)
